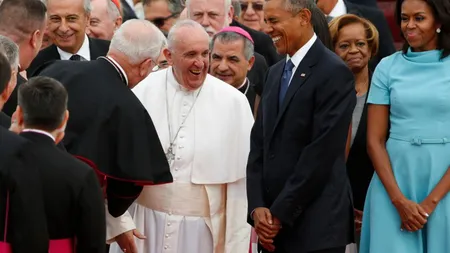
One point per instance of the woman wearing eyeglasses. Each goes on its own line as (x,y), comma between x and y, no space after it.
(252,14)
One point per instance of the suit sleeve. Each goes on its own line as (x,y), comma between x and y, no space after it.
(255,165)
(91,229)
(121,195)
(335,101)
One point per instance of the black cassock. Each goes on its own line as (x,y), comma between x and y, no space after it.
(21,196)
(73,198)
(110,129)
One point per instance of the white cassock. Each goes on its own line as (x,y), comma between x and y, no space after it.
(205,209)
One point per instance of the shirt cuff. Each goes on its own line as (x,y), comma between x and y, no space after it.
(118,226)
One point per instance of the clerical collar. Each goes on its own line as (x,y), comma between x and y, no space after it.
(120,69)
(243,84)
(84,51)
(39,132)
(244,87)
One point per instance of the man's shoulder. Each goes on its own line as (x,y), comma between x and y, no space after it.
(223,90)
(5,120)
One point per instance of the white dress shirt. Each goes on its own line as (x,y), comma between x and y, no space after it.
(300,54)
(84,51)
(338,10)
(39,132)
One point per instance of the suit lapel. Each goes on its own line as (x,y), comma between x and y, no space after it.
(271,111)
(301,75)
(53,53)
(93,51)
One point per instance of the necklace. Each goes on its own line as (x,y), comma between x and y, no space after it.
(170,154)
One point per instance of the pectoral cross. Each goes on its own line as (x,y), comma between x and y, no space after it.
(170,155)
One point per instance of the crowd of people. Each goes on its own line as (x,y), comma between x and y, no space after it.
(224,126)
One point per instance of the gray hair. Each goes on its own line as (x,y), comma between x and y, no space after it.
(237,7)
(172,36)
(10,50)
(86,5)
(227,37)
(227,4)
(113,10)
(138,40)
(294,6)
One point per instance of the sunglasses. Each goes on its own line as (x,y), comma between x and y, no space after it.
(159,22)
(255,6)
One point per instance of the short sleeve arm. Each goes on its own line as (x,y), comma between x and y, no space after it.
(379,89)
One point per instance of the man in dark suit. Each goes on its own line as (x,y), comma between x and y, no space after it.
(72,195)
(335,8)
(68,20)
(108,125)
(14,16)
(232,56)
(21,203)
(299,196)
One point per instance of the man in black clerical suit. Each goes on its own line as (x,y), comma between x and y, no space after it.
(21,203)
(299,196)
(108,125)
(14,16)
(73,198)
(232,56)
(335,8)
(128,11)
(70,41)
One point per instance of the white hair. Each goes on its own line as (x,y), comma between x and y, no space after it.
(138,40)
(227,4)
(10,50)
(113,10)
(172,37)
(86,5)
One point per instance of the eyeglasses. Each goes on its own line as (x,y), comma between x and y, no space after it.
(160,66)
(255,6)
(159,22)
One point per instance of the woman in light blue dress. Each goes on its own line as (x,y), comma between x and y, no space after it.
(407,209)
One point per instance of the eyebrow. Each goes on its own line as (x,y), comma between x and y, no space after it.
(417,13)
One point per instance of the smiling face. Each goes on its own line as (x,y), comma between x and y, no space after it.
(418,25)
(289,32)
(252,14)
(67,23)
(352,46)
(228,62)
(189,57)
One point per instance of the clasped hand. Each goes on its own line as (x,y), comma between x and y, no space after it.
(413,216)
(266,227)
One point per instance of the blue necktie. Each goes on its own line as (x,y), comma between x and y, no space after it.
(287,73)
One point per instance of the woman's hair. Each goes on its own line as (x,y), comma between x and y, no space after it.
(320,25)
(441,13)
(340,22)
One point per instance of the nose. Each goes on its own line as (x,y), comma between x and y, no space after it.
(223,66)
(353,48)
(250,10)
(205,20)
(411,24)
(63,27)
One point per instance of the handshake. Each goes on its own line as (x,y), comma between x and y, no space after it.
(266,227)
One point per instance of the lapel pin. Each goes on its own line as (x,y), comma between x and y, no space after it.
(302,74)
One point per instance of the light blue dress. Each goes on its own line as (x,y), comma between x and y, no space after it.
(416,85)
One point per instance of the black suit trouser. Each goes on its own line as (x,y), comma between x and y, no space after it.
(333,250)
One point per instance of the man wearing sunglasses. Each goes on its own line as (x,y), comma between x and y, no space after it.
(162,13)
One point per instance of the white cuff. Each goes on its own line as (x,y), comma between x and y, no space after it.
(117,226)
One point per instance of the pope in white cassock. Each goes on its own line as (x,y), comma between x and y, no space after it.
(204,126)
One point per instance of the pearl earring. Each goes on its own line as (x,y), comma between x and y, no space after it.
(438,30)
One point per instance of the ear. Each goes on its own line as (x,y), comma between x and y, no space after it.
(19,117)
(250,63)
(36,39)
(230,15)
(145,67)
(118,22)
(305,16)
(168,56)
(62,128)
